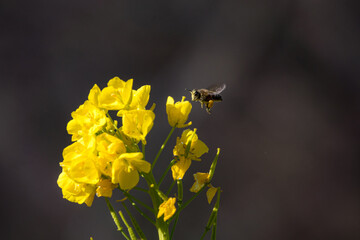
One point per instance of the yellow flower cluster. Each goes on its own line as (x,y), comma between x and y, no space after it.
(187,148)
(104,156)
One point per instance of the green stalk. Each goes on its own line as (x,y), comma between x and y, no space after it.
(163,229)
(134,222)
(139,210)
(173,227)
(143,149)
(213,233)
(130,230)
(116,218)
(170,188)
(187,203)
(166,171)
(180,192)
(141,189)
(213,217)
(134,199)
(162,148)
(213,165)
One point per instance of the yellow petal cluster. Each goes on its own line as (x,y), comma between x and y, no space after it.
(76,192)
(126,168)
(178,112)
(87,120)
(180,167)
(140,98)
(187,148)
(117,95)
(105,188)
(103,155)
(138,123)
(200,180)
(197,147)
(167,208)
(109,148)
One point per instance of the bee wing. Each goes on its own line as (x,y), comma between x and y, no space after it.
(217,88)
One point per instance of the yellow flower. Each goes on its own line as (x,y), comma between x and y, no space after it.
(200,180)
(125,169)
(140,98)
(87,120)
(109,148)
(197,147)
(178,112)
(105,188)
(211,193)
(117,95)
(138,123)
(76,192)
(109,145)
(167,208)
(94,95)
(180,167)
(80,164)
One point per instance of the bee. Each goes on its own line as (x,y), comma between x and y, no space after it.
(207,96)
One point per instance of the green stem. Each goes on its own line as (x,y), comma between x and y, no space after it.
(170,188)
(134,222)
(140,211)
(130,230)
(213,217)
(213,165)
(141,189)
(173,227)
(180,199)
(180,192)
(134,199)
(116,218)
(166,171)
(213,234)
(187,203)
(143,149)
(163,229)
(162,148)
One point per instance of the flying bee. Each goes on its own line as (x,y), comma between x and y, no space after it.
(207,96)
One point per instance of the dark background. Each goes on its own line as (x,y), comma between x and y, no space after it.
(288,127)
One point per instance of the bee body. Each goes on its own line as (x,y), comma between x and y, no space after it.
(207,96)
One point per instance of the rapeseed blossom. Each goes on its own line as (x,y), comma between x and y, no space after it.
(105,155)
(117,95)
(126,167)
(180,167)
(200,180)
(178,112)
(167,208)
(76,192)
(87,120)
(138,123)
(99,159)
(187,148)
(196,149)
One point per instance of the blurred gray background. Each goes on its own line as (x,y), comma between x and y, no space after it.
(288,127)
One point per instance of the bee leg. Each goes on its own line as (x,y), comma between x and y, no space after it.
(208,110)
(209,105)
(201,104)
